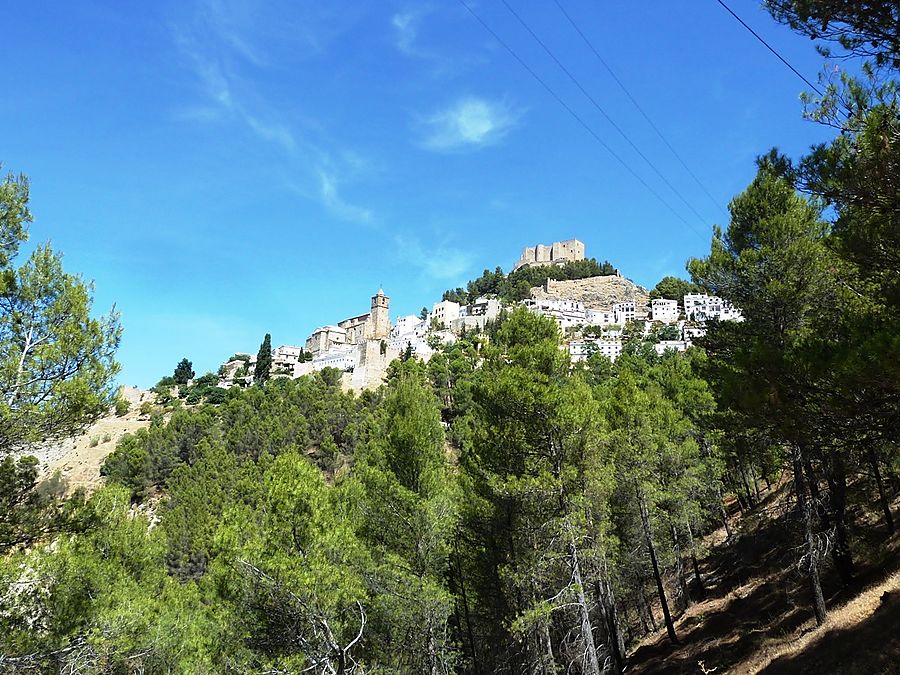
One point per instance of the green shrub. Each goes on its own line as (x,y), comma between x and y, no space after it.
(207,380)
(216,396)
(122,407)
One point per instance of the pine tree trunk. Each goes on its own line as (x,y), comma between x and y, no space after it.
(546,662)
(837,482)
(646,610)
(607,604)
(648,537)
(433,660)
(615,627)
(628,632)
(739,496)
(466,612)
(682,599)
(882,495)
(806,512)
(724,513)
(813,482)
(591,661)
(701,589)
(542,661)
(745,481)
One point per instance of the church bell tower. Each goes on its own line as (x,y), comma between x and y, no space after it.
(379,324)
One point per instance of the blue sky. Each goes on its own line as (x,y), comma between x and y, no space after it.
(227,168)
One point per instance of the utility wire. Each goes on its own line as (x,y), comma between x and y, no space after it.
(771,49)
(578,118)
(637,105)
(594,102)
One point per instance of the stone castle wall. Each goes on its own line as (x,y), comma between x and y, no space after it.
(557,253)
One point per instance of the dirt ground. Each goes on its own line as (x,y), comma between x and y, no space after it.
(755,616)
(79,459)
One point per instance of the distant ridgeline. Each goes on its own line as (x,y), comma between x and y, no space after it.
(517,285)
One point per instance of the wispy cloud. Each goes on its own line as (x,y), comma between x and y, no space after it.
(406,30)
(438,262)
(328,191)
(219,53)
(410,36)
(470,123)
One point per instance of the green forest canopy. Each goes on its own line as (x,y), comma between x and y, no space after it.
(517,285)
(498,509)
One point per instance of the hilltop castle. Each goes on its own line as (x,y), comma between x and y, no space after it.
(362,347)
(557,253)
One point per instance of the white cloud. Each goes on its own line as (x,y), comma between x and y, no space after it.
(438,262)
(406,27)
(328,191)
(272,131)
(469,123)
(406,30)
(216,49)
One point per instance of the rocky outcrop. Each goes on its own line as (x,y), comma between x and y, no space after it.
(594,292)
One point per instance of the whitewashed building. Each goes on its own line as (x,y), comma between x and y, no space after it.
(662,309)
(671,345)
(624,312)
(579,350)
(342,357)
(410,324)
(476,314)
(703,307)
(284,358)
(599,317)
(692,332)
(566,313)
(444,313)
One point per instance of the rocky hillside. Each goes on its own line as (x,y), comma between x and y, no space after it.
(79,459)
(594,292)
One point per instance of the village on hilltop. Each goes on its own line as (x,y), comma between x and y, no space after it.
(363,346)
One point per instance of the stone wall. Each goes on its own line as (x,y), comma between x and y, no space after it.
(557,253)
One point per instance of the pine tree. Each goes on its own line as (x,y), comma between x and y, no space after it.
(409,516)
(773,368)
(535,511)
(263,361)
(184,372)
(57,362)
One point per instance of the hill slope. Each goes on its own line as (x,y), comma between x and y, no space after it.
(594,292)
(79,459)
(756,618)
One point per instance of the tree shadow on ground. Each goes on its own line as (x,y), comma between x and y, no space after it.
(753,593)
(871,646)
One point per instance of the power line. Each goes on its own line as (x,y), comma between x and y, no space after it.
(636,104)
(771,49)
(594,102)
(578,118)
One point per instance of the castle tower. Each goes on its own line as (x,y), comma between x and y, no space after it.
(379,324)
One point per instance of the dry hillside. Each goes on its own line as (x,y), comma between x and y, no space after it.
(755,616)
(594,292)
(79,459)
